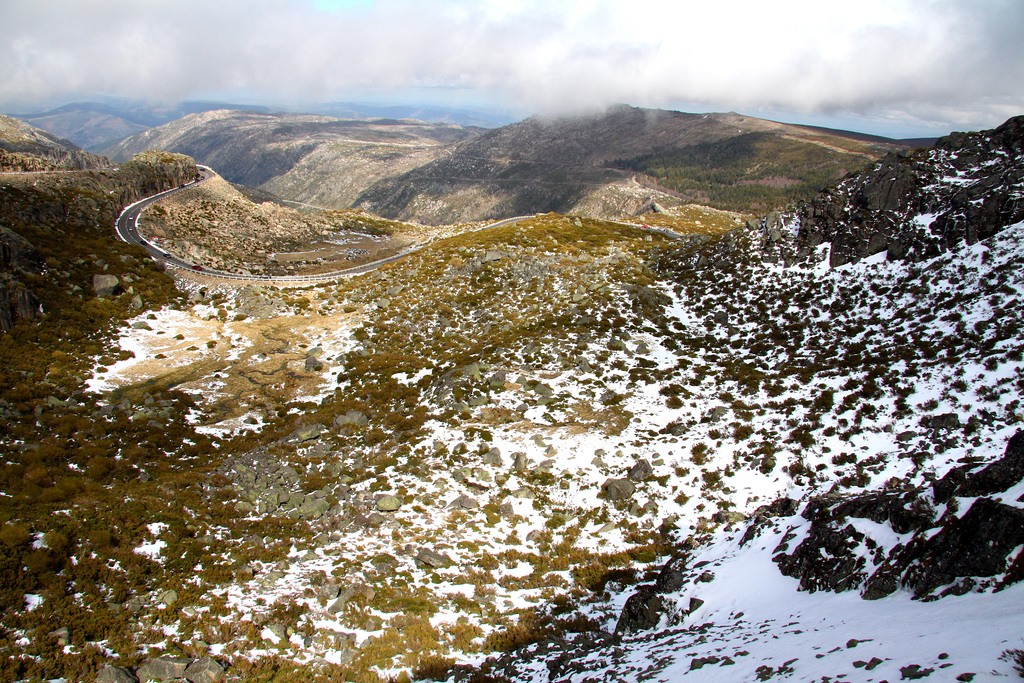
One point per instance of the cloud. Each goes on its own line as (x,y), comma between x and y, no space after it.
(958,59)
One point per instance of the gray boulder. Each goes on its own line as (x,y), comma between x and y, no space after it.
(352,417)
(432,559)
(105,285)
(162,669)
(204,670)
(520,462)
(465,502)
(618,489)
(493,457)
(115,674)
(641,471)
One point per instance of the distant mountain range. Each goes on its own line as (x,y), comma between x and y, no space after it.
(614,164)
(97,125)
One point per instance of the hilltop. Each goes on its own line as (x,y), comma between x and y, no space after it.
(562,449)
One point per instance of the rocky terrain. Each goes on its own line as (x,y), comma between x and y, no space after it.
(559,449)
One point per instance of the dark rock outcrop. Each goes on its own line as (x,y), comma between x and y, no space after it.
(915,207)
(645,608)
(943,551)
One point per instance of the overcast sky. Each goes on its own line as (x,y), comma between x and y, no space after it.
(896,67)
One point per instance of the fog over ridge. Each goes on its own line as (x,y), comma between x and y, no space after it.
(955,61)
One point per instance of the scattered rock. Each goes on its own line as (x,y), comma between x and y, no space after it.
(389,503)
(618,489)
(914,672)
(641,471)
(106,285)
(162,669)
(204,670)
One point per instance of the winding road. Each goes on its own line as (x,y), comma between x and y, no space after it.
(127,228)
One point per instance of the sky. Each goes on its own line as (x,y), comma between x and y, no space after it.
(890,67)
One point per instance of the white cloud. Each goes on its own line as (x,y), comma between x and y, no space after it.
(894,57)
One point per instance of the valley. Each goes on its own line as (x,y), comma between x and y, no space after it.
(567,448)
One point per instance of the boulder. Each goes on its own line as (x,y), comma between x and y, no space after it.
(520,462)
(204,670)
(643,611)
(162,669)
(944,422)
(432,559)
(352,417)
(304,434)
(115,674)
(465,502)
(618,489)
(641,471)
(105,285)
(389,503)
(493,457)
(168,597)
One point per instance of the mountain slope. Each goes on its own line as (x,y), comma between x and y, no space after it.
(294,154)
(19,140)
(964,190)
(553,165)
(554,432)
(90,125)
(610,165)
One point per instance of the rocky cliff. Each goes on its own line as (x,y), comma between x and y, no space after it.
(54,202)
(967,188)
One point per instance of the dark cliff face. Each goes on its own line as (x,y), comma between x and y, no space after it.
(966,188)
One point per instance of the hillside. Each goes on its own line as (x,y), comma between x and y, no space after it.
(555,164)
(613,165)
(561,449)
(26,148)
(312,159)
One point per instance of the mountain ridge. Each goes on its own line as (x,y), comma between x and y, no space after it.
(566,165)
